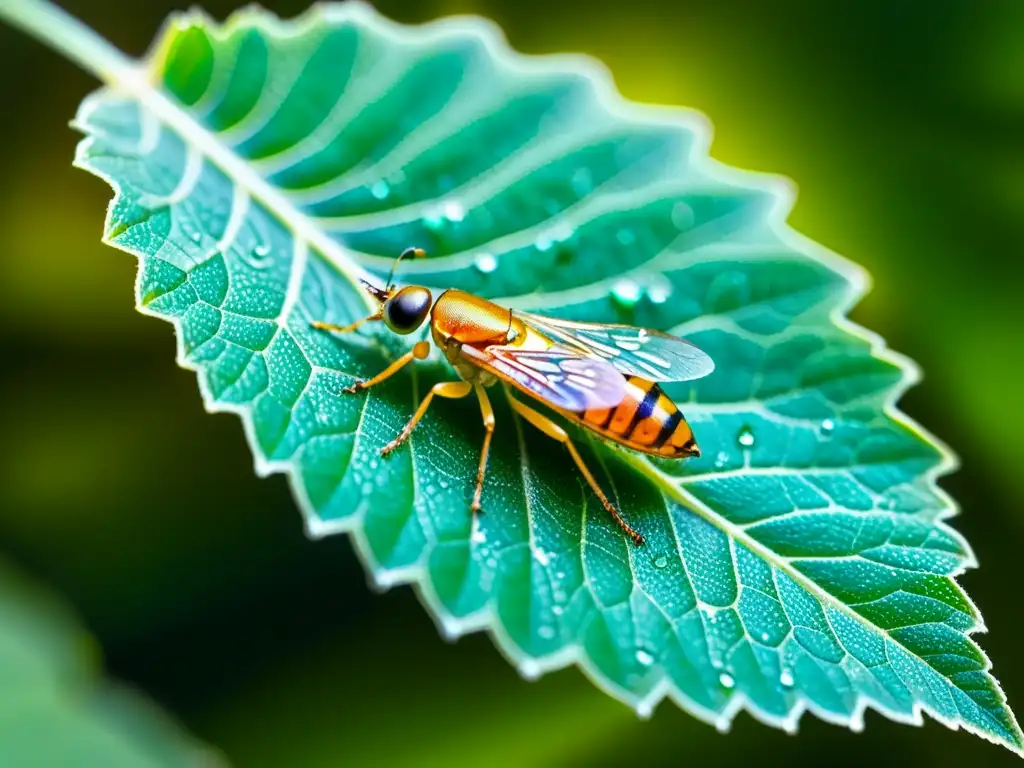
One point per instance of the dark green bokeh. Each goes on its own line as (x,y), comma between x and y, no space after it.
(903,125)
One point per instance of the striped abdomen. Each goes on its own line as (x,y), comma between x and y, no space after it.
(646,420)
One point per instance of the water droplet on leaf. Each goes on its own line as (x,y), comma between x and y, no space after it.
(726,680)
(659,291)
(582,181)
(827,426)
(454,211)
(660,561)
(380,189)
(433,220)
(546,632)
(529,669)
(745,437)
(644,658)
(261,251)
(485,262)
(786,678)
(626,293)
(682,216)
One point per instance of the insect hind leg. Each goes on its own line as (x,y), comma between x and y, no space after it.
(552,430)
(487,413)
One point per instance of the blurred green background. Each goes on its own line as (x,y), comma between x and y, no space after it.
(902,124)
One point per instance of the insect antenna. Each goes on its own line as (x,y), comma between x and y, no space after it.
(416,253)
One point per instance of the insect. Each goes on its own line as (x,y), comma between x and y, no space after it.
(602,377)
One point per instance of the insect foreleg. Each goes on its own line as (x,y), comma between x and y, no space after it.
(549,428)
(418,352)
(449,389)
(345,328)
(488,416)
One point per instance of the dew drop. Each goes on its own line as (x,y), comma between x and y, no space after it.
(659,292)
(745,437)
(682,216)
(644,710)
(557,610)
(195,236)
(261,251)
(644,658)
(764,637)
(529,669)
(485,262)
(726,680)
(380,189)
(827,426)
(660,561)
(454,211)
(626,236)
(433,220)
(478,537)
(786,679)
(443,483)
(626,293)
(582,181)
(546,632)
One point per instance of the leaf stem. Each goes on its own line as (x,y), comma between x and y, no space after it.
(64,33)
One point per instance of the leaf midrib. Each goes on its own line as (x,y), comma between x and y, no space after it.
(134,80)
(707,514)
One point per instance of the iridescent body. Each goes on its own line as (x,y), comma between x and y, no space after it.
(602,377)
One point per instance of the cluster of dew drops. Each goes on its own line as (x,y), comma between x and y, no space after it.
(625,292)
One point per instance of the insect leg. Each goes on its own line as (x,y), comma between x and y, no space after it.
(488,416)
(549,428)
(345,328)
(450,389)
(418,352)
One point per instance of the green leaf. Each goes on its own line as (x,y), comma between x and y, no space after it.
(262,167)
(52,709)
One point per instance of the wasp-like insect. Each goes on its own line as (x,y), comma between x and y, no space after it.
(601,376)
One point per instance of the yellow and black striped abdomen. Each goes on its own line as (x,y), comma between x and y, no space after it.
(646,420)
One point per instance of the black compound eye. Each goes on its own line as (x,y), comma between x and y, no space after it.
(406,311)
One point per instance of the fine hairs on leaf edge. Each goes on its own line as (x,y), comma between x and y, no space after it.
(782,191)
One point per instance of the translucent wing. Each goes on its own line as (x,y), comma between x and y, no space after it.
(634,351)
(559,376)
